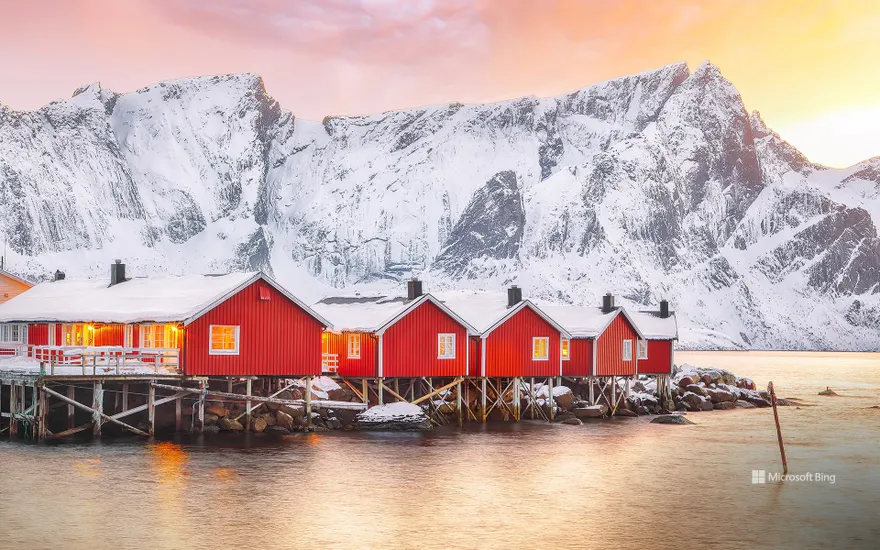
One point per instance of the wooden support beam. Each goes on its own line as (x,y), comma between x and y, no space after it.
(395,394)
(366,391)
(202,387)
(352,387)
(97,408)
(13,409)
(71,431)
(276,394)
(124,396)
(258,399)
(483,400)
(43,414)
(178,414)
(308,397)
(247,407)
(550,393)
(151,408)
(91,410)
(381,391)
(458,410)
(517,399)
(438,390)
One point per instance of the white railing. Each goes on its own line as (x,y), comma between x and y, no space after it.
(14,349)
(107,359)
(330,362)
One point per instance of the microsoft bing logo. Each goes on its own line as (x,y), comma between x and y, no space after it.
(759,476)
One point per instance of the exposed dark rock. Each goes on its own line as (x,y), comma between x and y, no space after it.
(671,419)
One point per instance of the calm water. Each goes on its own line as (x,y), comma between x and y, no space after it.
(623,483)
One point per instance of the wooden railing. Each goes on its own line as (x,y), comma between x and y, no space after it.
(330,362)
(15,349)
(107,359)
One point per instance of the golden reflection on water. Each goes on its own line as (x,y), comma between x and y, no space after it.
(615,483)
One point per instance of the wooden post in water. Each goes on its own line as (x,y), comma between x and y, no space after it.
(71,412)
(458,403)
(247,407)
(151,408)
(178,412)
(772,392)
(365,391)
(550,393)
(98,407)
(124,397)
(308,397)
(381,386)
(202,386)
(483,399)
(13,398)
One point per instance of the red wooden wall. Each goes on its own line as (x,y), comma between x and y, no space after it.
(38,335)
(276,337)
(365,367)
(110,335)
(609,349)
(409,346)
(580,351)
(476,356)
(509,347)
(659,359)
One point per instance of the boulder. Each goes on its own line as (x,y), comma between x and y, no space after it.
(333,423)
(757,401)
(283,420)
(259,425)
(742,404)
(277,430)
(563,398)
(283,395)
(295,412)
(699,390)
(707,380)
(691,401)
(229,425)
(724,405)
(828,392)
(621,411)
(399,416)
(212,429)
(590,411)
(685,382)
(572,421)
(677,419)
(639,386)
(211,419)
(641,410)
(745,383)
(720,396)
(338,394)
(217,410)
(269,418)
(706,405)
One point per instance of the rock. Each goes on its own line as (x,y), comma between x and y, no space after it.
(295,412)
(338,394)
(759,402)
(229,425)
(217,410)
(572,421)
(621,411)
(591,411)
(724,405)
(211,419)
(269,418)
(677,419)
(277,430)
(745,383)
(783,402)
(720,396)
(685,382)
(681,406)
(398,416)
(563,417)
(283,420)
(691,401)
(563,399)
(742,404)
(707,380)
(283,395)
(641,410)
(706,405)
(699,390)
(664,411)
(334,423)
(259,425)
(828,392)
(638,386)
(212,429)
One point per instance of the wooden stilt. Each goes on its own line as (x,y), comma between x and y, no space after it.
(201,424)
(613,394)
(309,402)
(517,399)
(151,408)
(483,399)
(178,412)
(381,391)
(71,412)
(98,408)
(365,390)
(88,409)
(458,410)
(628,384)
(247,407)
(229,384)
(13,409)
(42,414)
(532,397)
(592,390)
(124,397)
(550,392)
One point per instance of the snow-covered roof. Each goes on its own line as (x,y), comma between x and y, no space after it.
(375,313)
(4,273)
(581,321)
(654,327)
(160,299)
(485,311)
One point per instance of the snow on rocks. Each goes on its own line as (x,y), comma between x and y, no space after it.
(398,416)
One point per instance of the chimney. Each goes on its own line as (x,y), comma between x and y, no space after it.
(664,309)
(59,275)
(413,289)
(608,303)
(514,296)
(117,273)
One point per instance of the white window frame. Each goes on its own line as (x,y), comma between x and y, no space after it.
(352,339)
(212,351)
(52,338)
(627,351)
(642,347)
(170,336)
(6,330)
(563,343)
(546,348)
(88,333)
(450,347)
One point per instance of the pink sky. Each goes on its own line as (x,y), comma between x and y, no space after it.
(810,67)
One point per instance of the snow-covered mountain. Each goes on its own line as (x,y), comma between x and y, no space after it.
(657,185)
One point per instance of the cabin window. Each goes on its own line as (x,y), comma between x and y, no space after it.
(128,336)
(643,349)
(566,347)
(627,350)
(224,340)
(52,335)
(354,346)
(265,296)
(13,333)
(540,347)
(78,335)
(446,346)
(159,336)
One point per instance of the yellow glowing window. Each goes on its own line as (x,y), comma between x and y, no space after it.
(446,346)
(565,349)
(158,336)
(540,347)
(78,335)
(224,340)
(354,346)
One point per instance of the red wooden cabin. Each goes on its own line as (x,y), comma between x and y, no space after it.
(604,340)
(391,337)
(516,338)
(198,325)
(660,330)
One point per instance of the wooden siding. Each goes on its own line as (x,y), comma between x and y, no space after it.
(409,346)
(476,356)
(276,337)
(38,335)
(10,288)
(365,367)
(659,359)
(110,335)
(509,347)
(581,362)
(609,349)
